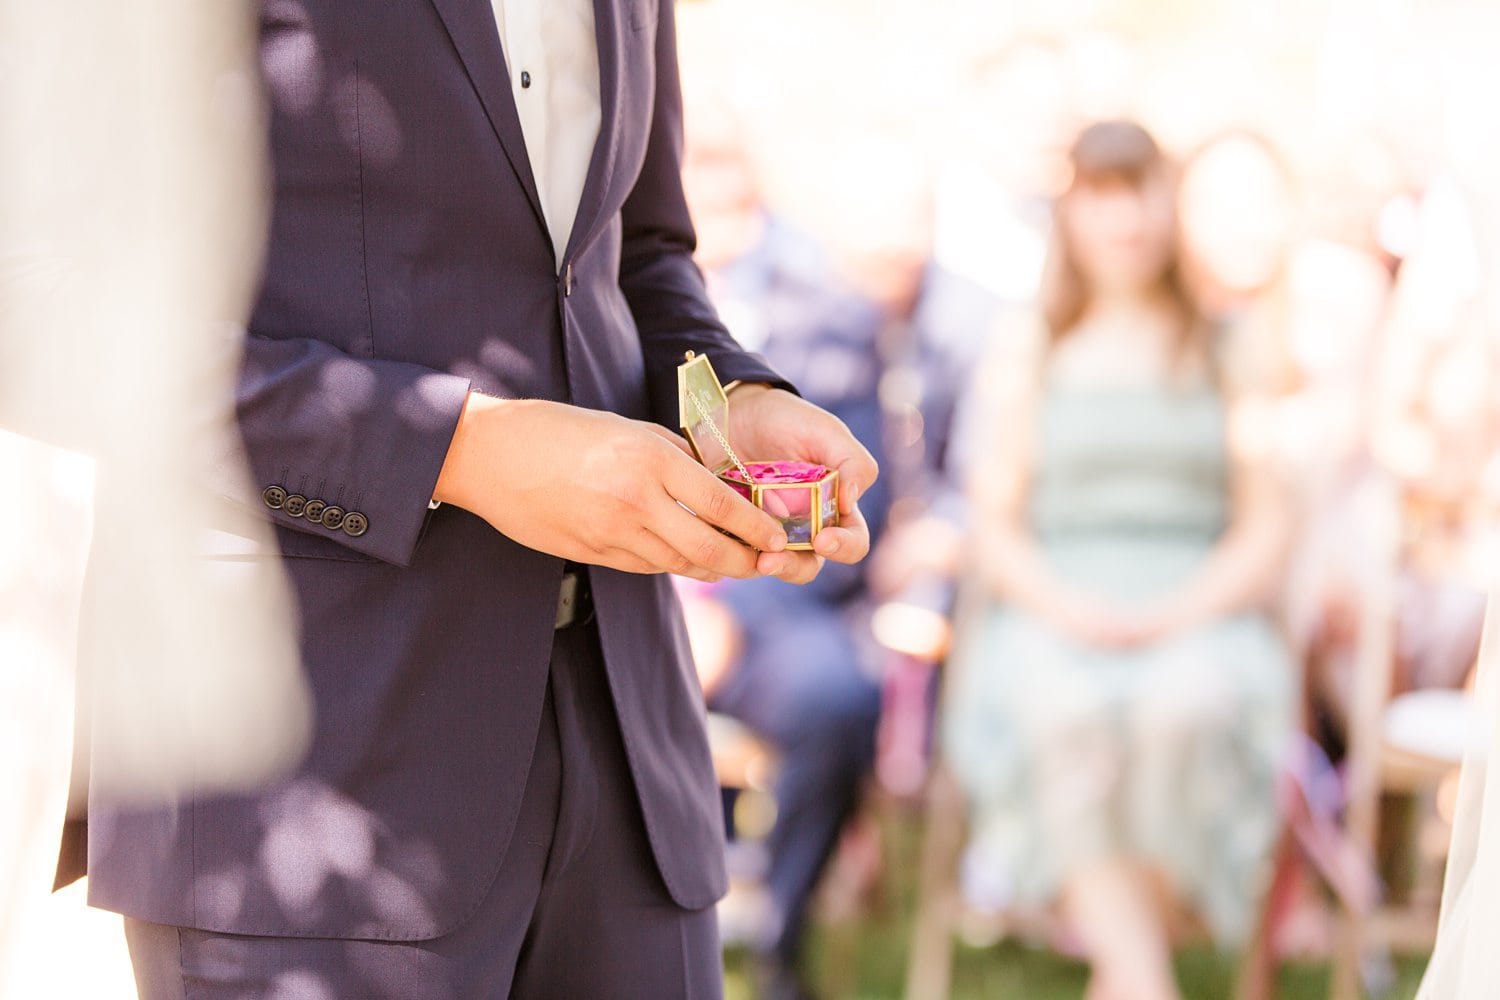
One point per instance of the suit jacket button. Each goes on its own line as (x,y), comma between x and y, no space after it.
(355,524)
(314,511)
(294,505)
(274,497)
(333,516)
(568,279)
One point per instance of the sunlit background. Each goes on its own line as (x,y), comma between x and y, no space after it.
(1338,201)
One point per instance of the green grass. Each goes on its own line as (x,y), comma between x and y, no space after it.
(865,959)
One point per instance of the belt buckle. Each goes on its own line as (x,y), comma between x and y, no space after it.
(567,601)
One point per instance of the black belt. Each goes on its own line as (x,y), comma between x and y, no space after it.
(575,600)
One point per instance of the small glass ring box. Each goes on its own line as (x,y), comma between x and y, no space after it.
(803,496)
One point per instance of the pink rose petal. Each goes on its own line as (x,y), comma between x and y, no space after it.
(780,472)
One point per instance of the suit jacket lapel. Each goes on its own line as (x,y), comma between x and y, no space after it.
(607,29)
(471,26)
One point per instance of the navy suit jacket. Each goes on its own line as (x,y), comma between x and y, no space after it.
(408,263)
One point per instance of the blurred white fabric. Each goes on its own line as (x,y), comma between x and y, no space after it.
(1465,964)
(132,216)
(1435,723)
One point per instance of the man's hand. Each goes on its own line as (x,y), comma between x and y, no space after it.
(769,424)
(598,488)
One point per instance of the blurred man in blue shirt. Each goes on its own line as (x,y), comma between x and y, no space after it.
(879,337)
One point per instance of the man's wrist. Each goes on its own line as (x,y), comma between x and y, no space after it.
(452,478)
(739,388)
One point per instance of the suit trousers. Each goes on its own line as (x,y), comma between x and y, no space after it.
(578,909)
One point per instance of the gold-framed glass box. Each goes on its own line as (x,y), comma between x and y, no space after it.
(803,496)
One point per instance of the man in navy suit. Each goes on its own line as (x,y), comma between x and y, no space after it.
(458,382)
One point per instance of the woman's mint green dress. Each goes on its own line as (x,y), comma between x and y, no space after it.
(1167,753)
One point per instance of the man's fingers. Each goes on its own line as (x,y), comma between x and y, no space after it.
(675,440)
(841,545)
(625,562)
(847,543)
(649,553)
(713,501)
(793,567)
(856,473)
(669,559)
(697,544)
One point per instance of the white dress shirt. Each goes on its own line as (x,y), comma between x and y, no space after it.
(553,57)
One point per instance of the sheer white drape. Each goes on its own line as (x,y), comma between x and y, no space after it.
(132,218)
(1465,963)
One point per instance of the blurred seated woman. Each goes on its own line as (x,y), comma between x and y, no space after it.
(1119,698)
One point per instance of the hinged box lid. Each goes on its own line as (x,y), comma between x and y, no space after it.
(702,408)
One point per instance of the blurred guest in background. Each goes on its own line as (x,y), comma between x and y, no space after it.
(995,189)
(1119,704)
(794,663)
(789,665)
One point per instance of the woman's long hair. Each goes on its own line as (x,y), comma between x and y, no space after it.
(1114,152)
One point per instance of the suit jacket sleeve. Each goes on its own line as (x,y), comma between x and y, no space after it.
(664,288)
(368,435)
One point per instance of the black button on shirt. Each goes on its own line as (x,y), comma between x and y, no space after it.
(525,79)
